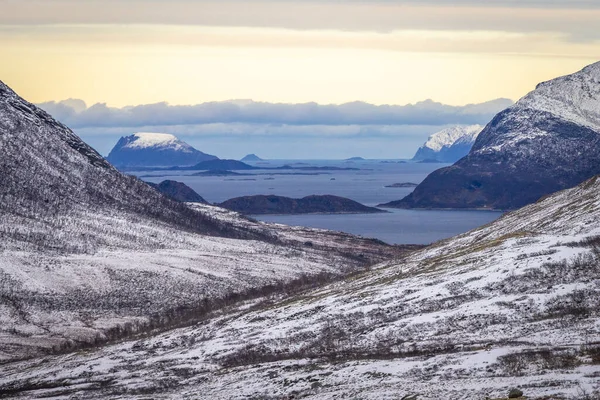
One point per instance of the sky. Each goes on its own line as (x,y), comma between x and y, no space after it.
(129,53)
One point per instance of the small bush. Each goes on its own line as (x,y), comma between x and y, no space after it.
(515,394)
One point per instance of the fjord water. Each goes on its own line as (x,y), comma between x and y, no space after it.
(366,184)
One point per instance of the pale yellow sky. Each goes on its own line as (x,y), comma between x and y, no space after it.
(472,55)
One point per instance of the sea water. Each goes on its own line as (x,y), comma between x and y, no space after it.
(366,183)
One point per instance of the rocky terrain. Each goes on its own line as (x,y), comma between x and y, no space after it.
(549,140)
(154,150)
(448,145)
(272,204)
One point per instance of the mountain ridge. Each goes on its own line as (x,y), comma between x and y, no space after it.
(547,141)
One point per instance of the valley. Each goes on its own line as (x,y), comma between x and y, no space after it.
(113,287)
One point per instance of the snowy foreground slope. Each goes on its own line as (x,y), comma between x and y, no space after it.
(89,255)
(512,304)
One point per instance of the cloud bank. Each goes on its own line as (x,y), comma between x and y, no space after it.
(576,18)
(232,129)
(76,114)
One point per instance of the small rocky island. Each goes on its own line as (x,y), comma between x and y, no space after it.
(218,172)
(251,158)
(178,191)
(402,185)
(272,204)
(222,165)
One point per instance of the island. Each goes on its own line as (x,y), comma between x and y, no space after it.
(315,204)
(218,172)
(402,185)
(178,191)
(251,158)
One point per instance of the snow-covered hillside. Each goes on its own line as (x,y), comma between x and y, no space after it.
(88,254)
(449,145)
(548,141)
(512,304)
(573,99)
(155,150)
(142,140)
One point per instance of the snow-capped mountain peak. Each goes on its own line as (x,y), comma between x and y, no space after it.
(449,136)
(155,149)
(450,144)
(144,140)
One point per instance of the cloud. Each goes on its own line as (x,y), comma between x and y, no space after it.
(426,112)
(275,130)
(573,18)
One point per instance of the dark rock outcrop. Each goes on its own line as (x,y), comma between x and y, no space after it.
(178,191)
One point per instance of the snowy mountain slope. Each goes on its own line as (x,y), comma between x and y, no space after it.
(512,304)
(549,140)
(155,150)
(49,177)
(88,254)
(449,145)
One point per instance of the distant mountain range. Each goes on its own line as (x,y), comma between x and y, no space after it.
(155,150)
(549,140)
(448,145)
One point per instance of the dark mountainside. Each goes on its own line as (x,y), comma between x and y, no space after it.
(164,151)
(548,141)
(271,204)
(178,191)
